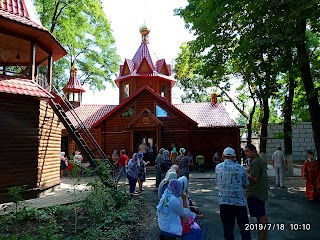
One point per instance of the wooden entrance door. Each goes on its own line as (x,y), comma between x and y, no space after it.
(147,136)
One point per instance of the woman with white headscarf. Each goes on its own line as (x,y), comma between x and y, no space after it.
(193,223)
(171,174)
(170,210)
(184,163)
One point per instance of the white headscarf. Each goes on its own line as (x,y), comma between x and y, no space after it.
(184,181)
(170,175)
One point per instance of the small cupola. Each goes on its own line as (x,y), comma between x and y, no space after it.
(73,90)
(144,30)
(214,98)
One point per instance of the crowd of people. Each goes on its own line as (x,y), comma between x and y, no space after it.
(74,164)
(241,187)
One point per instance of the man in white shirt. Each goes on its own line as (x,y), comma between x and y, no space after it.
(280,164)
(231,179)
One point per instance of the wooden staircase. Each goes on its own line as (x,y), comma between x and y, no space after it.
(91,154)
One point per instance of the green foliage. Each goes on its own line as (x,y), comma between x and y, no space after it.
(186,68)
(128,113)
(260,43)
(85,32)
(16,192)
(279,135)
(105,214)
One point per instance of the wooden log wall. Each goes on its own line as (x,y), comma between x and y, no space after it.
(115,135)
(19,124)
(207,141)
(155,83)
(49,147)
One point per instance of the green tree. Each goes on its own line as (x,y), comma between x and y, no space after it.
(257,34)
(188,69)
(83,29)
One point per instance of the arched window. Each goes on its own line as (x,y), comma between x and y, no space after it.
(163,90)
(126,91)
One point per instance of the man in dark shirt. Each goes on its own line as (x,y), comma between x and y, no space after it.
(123,159)
(257,191)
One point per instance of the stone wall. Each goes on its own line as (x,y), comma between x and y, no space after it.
(302,139)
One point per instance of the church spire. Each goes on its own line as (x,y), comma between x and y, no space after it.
(73,89)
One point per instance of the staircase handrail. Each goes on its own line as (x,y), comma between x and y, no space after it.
(80,123)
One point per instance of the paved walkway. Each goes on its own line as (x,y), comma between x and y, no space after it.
(284,206)
(67,192)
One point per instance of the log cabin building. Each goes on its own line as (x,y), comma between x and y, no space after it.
(146,113)
(30,132)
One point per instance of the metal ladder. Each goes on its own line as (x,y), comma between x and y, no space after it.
(74,132)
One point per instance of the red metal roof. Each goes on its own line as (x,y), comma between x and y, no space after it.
(73,85)
(22,86)
(90,113)
(147,88)
(142,52)
(134,65)
(20,8)
(207,115)
(201,114)
(16,7)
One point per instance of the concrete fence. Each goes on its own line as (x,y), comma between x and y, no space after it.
(302,140)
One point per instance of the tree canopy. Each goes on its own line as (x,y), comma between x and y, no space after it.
(84,30)
(261,40)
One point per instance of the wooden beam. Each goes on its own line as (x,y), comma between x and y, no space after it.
(21,36)
(32,60)
(49,76)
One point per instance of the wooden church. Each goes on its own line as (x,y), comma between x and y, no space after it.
(30,132)
(146,113)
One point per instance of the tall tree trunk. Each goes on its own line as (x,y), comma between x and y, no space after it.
(264,130)
(312,94)
(249,125)
(287,123)
(264,126)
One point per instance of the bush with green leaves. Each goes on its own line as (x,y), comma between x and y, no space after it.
(106,214)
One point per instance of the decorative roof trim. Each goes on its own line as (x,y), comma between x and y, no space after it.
(141,113)
(147,88)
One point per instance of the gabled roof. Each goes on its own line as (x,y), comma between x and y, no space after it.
(161,64)
(156,95)
(149,113)
(20,86)
(90,113)
(207,114)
